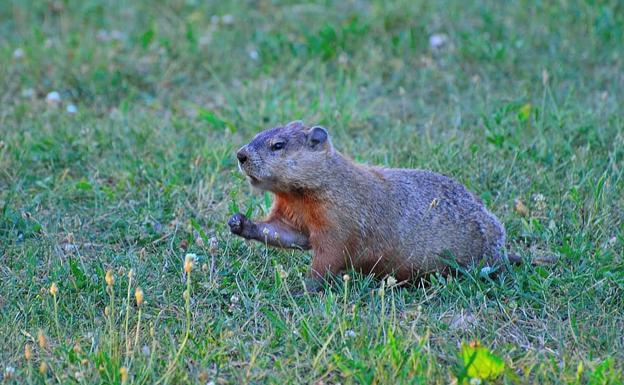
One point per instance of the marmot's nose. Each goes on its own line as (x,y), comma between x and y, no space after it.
(242,155)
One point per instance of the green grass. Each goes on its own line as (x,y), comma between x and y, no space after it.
(524,101)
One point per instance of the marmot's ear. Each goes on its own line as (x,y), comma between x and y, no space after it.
(295,124)
(317,136)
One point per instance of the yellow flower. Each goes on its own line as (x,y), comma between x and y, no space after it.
(43,368)
(109,278)
(54,289)
(525,112)
(41,338)
(283,274)
(27,352)
(521,208)
(138,295)
(188,262)
(123,372)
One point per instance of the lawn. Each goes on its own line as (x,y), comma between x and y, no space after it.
(119,122)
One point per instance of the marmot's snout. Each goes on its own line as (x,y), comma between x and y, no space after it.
(245,163)
(242,155)
(251,164)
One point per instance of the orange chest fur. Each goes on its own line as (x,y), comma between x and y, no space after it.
(303,211)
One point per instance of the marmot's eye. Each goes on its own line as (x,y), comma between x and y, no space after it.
(277,146)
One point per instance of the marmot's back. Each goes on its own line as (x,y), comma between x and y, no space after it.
(439,217)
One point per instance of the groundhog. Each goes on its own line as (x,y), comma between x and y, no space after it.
(381,221)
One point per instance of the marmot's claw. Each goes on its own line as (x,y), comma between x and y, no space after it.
(236,223)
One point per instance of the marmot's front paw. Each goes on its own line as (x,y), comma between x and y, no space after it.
(237,223)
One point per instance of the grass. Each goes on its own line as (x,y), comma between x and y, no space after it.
(522,104)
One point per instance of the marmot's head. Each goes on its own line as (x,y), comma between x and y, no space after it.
(285,159)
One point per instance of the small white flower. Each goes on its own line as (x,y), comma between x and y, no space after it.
(210,382)
(117,35)
(545,76)
(540,202)
(227,19)
(437,40)
(191,256)
(145,350)
(18,53)
(72,109)
(552,225)
(234,299)
(102,35)
(53,97)
(391,281)
(204,40)
(350,333)
(253,55)
(9,371)
(28,93)
(475,381)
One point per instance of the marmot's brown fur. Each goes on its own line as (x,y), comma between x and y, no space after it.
(402,222)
